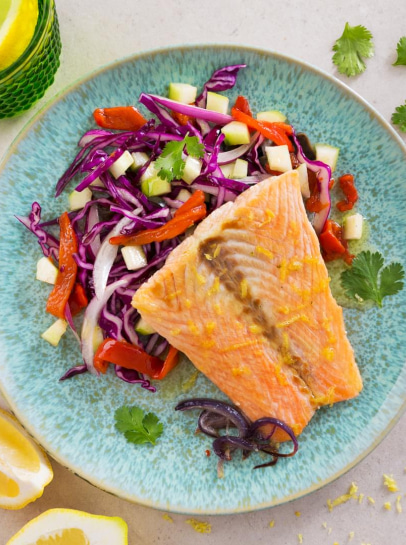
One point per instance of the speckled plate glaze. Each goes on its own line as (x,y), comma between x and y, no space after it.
(74,420)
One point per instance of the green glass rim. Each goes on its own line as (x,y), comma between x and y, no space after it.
(45,14)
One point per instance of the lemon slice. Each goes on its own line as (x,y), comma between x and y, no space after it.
(70,527)
(18,19)
(24,467)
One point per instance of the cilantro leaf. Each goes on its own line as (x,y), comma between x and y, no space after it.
(350,49)
(170,164)
(137,426)
(369,280)
(399,117)
(401,51)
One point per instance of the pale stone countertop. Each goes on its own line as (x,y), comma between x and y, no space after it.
(95,32)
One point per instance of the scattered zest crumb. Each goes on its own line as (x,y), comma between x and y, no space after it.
(272,524)
(398,504)
(387,505)
(390,483)
(329,531)
(298,513)
(351,535)
(300,538)
(344,498)
(324,525)
(360,497)
(199,527)
(167,517)
(335,543)
(371,500)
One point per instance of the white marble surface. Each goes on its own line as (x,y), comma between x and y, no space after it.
(95,32)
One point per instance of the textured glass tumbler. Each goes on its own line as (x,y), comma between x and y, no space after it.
(27,79)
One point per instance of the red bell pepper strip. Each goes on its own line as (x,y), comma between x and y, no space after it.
(78,299)
(133,357)
(332,243)
(351,194)
(242,104)
(277,132)
(66,278)
(122,118)
(184,218)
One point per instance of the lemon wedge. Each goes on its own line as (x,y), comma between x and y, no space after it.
(24,467)
(70,527)
(18,19)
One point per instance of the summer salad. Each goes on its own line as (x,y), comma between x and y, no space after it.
(143,183)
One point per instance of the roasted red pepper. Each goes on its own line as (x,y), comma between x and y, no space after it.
(182,119)
(78,299)
(191,211)
(350,192)
(277,132)
(133,357)
(332,243)
(122,118)
(313,203)
(65,281)
(242,104)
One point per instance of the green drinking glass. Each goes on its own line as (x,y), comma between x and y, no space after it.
(26,80)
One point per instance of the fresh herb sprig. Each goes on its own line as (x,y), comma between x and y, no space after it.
(399,117)
(351,49)
(401,51)
(138,427)
(369,280)
(170,164)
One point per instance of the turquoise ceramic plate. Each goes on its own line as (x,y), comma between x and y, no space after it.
(74,420)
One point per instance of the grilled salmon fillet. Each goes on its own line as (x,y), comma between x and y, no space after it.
(247,299)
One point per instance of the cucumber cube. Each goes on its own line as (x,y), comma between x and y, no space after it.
(353,227)
(327,154)
(217,103)
(278,158)
(192,169)
(236,133)
(143,328)
(150,172)
(240,169)
(139,160)
(79,199)
(304,181)
(182,92)
(272,116)
(134,257)
(46,270)
(54,333)
(184,195)
(119,167)
(228,169)
(155,186)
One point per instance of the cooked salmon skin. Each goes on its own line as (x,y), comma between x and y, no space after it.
(247,299)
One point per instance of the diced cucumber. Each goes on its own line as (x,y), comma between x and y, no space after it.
(143,328)
(134,257)
(54,333)
(327,154)
(278,158)
(236,133)
(97,183)
(79,199)
(353,226)
(46,270)
(153,187)
(304,180)
(150,172)
(119,167)
(217,103)
(240,169)
(183,195)
(192,169)
(182,92)
(272,116)
(139,160)
(228,169)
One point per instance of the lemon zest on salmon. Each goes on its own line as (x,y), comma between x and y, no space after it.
(269,217)
(351,494)
(240,371)
(193,328)
(200,277)
(283,270)
(280,375)
(293,228)
(216,251)
(208,343)
(176,331)
(217,309)
(390,483)
(173,295)
(310,260)
(326,325)
(256,329)
(199,527)
(208,257)
(326,399)
(328,353)
(284,310)
(264,251)
(210,327)
(237,346)
(296,318)
(215,287)
(188,303)
(244,288)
